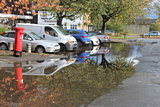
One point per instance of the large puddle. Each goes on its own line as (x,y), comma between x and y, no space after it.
(67,82)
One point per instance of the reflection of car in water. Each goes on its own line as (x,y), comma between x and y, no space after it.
(99,50)
(82,57)
(39,67)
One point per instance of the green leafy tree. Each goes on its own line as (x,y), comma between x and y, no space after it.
(124,10)
(155,27)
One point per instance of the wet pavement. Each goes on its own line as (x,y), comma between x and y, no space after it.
(61,80)
(143,88)
(83,79)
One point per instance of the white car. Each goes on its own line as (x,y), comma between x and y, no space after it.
(38,44)
(95,40)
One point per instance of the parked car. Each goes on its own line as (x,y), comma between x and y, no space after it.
(110,32)
(82,37)
(95,40)
(52,32)
(102,38)
(38,44)
(152,33)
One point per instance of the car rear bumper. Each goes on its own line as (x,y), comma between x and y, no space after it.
(105,40)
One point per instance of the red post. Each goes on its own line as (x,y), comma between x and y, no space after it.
(18,76)
(18,41)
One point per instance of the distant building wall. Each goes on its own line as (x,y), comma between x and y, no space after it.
(138,29)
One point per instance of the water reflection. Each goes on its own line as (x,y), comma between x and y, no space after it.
(62,82)
(131,53)
(84,55)
(39,67)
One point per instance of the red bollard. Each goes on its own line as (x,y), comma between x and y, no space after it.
(18,41)
(18,77)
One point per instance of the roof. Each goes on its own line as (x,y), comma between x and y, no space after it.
(145,21)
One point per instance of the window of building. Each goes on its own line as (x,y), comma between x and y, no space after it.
(73,26)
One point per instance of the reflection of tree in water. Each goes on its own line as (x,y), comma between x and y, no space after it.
(119,63)
(105,63)
(8,93)
(72,86)
(50,69)
(121,49)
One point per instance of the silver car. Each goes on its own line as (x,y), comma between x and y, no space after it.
(102,38)
(38,44)
(152,33)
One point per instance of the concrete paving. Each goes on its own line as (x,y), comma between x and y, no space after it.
(8,56)
(143,88)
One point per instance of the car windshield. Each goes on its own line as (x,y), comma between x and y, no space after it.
(86,33)
(61,30)
(92,33)
(35,36)
(95,33)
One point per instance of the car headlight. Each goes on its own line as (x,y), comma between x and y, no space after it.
(69,41)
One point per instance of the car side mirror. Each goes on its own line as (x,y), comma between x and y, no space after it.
(43,36)
(55,35)
(30,39)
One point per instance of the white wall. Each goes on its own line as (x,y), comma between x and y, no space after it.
(45,17)
(74,23)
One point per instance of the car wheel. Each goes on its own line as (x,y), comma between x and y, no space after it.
(40,49)
(79,43)
(92,43)
(62,47)
(100,41)
(3,46)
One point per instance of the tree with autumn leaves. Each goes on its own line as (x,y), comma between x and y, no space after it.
(103,10)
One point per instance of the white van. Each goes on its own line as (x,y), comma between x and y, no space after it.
(52,32)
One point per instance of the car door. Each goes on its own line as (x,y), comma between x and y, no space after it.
(11,37)
(27,40)
(51,34)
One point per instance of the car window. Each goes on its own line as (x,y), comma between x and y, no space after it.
(50,31)
(26,36)
(68,31)
(35,36)
(86,33)
(155,32)
(74,32)
(92,33)
(11,34)
(60,30)
(5,35)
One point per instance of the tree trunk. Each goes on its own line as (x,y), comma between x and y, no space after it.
(105,19)
(59,21)
(103,27)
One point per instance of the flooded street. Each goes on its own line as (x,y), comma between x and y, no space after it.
(67,82)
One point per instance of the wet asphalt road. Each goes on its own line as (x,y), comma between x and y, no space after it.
(143,88)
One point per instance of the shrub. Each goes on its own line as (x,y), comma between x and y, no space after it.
(118,27)
(3,28)
(155,27)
